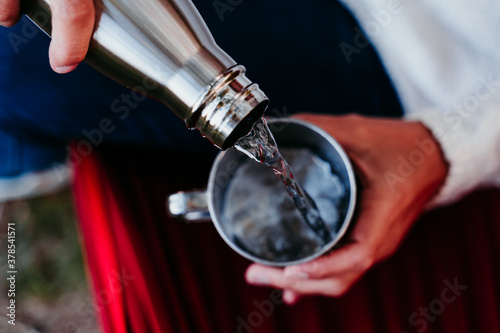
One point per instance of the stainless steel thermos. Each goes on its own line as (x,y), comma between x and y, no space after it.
(163,49)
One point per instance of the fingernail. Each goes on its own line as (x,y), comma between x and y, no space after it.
(65,69)
(288,297)
(257,278)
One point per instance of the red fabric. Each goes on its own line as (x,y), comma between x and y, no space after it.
(153,274)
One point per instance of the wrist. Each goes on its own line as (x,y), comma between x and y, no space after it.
(428,160)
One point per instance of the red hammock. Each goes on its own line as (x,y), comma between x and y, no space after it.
(153,274)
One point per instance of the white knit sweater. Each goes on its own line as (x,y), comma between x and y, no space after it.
(443,57)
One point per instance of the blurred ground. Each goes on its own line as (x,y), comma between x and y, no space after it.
(51,289)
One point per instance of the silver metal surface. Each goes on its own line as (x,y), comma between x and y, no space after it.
(288,133)
(163,49)
(189,206)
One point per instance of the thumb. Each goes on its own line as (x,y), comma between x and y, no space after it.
(72,27)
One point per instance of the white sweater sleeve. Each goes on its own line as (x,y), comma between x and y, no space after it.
(471,145)
(443,58)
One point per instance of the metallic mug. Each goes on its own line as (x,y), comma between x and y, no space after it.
(198,206)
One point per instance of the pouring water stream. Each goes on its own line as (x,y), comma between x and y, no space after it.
(260,146)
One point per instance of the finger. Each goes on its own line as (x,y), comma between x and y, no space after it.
(345,260)
(263,275)
(267,276)
(331,287)
(72,27)
(299,285)
(291,297)
(274,277)
(9,12)
(348,258)
(362,251)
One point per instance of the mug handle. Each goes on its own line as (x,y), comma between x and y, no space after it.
(191,206)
